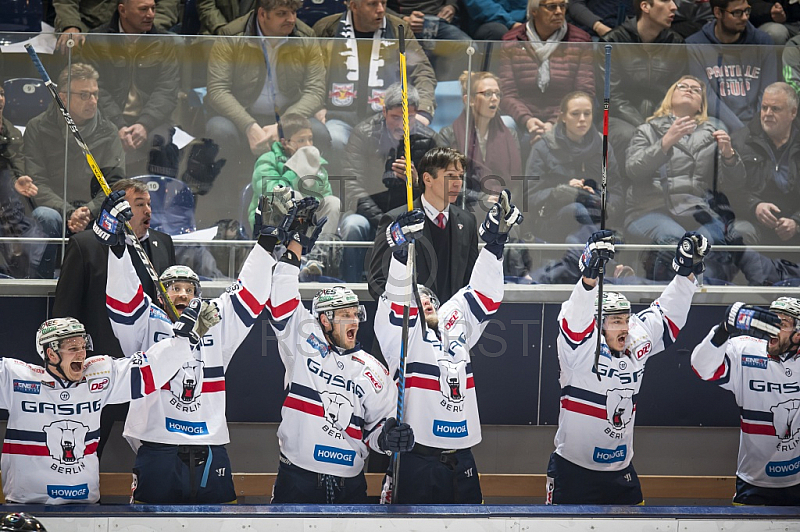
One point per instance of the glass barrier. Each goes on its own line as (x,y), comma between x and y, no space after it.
(206,125)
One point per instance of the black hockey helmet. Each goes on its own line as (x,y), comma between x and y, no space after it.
(20,522)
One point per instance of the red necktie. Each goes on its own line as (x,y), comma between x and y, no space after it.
(440,220)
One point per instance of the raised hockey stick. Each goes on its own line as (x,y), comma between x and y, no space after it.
(606,96)
(169,307)
(410,268)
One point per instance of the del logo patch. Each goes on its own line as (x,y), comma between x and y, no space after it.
(375,382)
(452,320)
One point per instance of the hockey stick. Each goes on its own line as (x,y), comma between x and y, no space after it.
(606,95)
(410,269)
(169,307)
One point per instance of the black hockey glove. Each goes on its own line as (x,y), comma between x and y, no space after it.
(109,227)
(308,231)
(499,220)
(758,322)
(187,324)
(396,438)
(599,250)
(692,249)
(403,230)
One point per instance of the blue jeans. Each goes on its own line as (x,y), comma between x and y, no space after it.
(51,222)
(340,134)
(355,227)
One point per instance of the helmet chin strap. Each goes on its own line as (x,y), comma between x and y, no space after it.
(58,367)
(329,334)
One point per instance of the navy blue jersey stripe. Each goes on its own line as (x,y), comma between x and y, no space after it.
(305,391)
(585,395)
(214,371)
(422,369)
(127,320)
(136,383)
(243,312)
(25,435)
(755,415)
(475,307)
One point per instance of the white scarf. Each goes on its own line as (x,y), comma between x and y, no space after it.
(350,52)
(543,50)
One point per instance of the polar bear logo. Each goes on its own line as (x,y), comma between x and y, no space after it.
(66,440)
(619,407)
(453,379)
(785,419)
(337,409)
(187,384)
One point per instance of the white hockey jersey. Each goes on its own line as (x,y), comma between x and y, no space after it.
(336,401)
(596,417)
(441,403)
(768,394)
(190,408)
(49,452)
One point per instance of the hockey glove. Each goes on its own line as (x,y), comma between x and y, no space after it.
(403,230)
(186,326)
(692,249)
(109,227)
(599,250)
(308,231)
(396,438)
(208,317)
(499,220)
(275,216)
(758,322)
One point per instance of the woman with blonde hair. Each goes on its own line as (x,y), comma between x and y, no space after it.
(676,162)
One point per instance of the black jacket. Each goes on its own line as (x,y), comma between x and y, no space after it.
(463,235)
(641,74)
(81,288)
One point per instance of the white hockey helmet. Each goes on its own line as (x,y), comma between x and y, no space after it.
(789,306)
(328,300)
(180,272)
(614,303)
(52,331)
(425,291)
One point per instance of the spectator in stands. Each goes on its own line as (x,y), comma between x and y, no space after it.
(359,71)
(375,167)
(791,63)
(640,75)
(671,163)
(735,75)
(295,162)
(44,141)
(566,165)
(770,149)
(493,158)
(138,78)
(780,19)
(76,17)
(448,247)
(214,14)
(253,82)
(691,16)
(598,17)
(537,68)
(17,259)
(489,20)
(431,19)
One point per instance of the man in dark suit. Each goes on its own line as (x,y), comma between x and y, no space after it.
(81,289)
(448,248)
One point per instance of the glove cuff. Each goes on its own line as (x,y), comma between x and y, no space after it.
(497,246)
(683,271)
(721,335)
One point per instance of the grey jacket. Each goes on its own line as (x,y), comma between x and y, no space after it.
(676,182)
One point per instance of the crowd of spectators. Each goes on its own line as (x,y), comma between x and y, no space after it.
(702,129)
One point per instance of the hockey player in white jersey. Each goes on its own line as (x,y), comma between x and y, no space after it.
(49,452)
(594,440)
(753,353)
(440,399)
(179,434)
(340,399)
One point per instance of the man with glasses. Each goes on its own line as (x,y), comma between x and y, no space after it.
(594,442)
(537,67)
(43,148)
(755,354)
(735,75)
